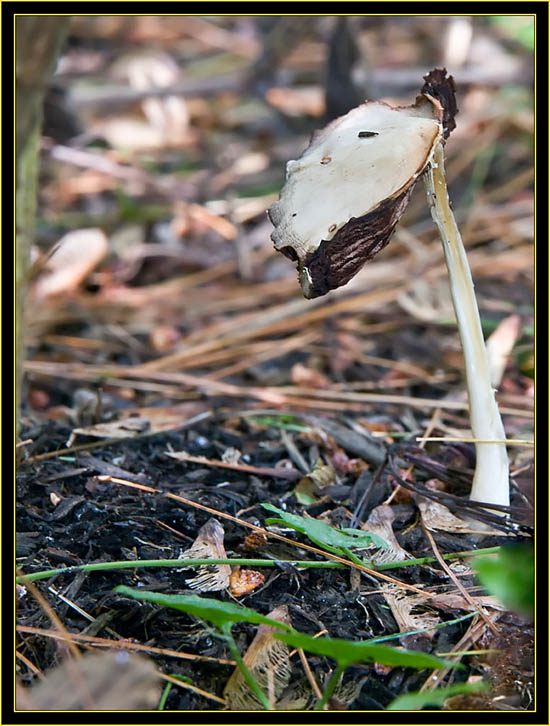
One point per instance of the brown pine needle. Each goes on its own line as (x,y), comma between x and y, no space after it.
(190,687)
(50,612)
(118,644)
(265,532)
(30,665)
(309,673)
(457,582)
(475,630)
(279,473)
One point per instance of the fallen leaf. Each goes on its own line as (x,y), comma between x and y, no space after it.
(499,346)
(380,523)
(74,257)
(243,581)
(402,604)
(208,545)
(115,681)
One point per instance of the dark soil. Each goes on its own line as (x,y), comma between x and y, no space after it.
(98,521)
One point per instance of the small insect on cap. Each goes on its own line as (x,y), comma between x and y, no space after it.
(345,194)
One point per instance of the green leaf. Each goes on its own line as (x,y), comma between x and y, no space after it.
(510,576)
(334,540)
(220,614)
(346,652)
(417,700)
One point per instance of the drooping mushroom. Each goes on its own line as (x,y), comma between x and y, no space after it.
(339,207)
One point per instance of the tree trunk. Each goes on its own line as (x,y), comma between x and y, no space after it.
(38,41)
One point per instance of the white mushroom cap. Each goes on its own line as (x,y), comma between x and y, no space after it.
(361,164)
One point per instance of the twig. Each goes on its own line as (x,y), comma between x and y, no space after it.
(311,678)
(456,581)
(50,612)
(30,665)
(190,687)
(470,637)
(118,644)
(277,473)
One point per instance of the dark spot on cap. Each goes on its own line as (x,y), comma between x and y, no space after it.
(367,134)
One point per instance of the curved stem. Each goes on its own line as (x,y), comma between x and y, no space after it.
(249,678)
(491,477)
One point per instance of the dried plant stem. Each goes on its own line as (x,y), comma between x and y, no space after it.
(491,483)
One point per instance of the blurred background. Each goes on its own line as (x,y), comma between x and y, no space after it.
(165,140)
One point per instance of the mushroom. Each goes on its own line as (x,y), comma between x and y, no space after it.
(339,207)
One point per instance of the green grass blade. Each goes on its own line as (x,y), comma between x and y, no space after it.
(214,611)
(419,699)
(346,652)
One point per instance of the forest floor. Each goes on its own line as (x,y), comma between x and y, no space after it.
(175,374)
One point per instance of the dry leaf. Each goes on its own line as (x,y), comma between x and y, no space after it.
(499,346)
(456,601)
(346,692)
(268,661)
(75,256)
(380,523)
(208,545)
(115,681)
(319,477)
(436,516)
(402,603)
(297,697)
(121,429)
(167,117)
(150,420)
(242,581)
(301,375)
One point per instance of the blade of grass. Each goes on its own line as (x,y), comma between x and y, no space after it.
(417,700)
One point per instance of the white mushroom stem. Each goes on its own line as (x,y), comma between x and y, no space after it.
(491,477)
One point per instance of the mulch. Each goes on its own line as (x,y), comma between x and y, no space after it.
(70,512)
